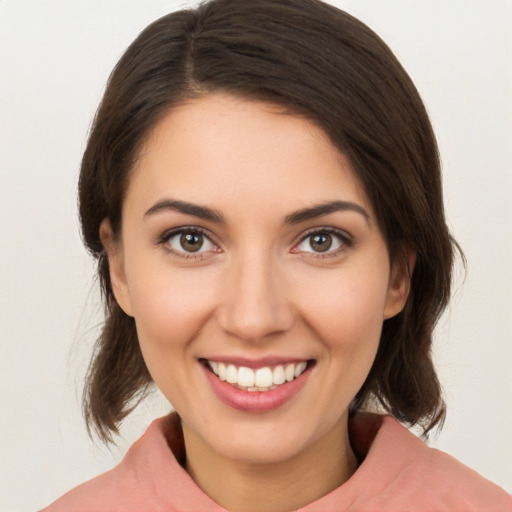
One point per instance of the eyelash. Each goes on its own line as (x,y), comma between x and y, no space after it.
(345,242)
(168,235)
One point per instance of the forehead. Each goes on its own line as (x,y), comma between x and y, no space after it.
(219,147)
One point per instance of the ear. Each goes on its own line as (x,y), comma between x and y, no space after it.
(399,284)
(115,258)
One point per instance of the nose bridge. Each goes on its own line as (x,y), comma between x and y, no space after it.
(255,302)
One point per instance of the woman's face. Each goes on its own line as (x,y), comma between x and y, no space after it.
(249,256)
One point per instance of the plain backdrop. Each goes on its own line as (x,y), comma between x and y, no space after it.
(55,57)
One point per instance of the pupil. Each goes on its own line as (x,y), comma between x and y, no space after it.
(191,242)
(321,243)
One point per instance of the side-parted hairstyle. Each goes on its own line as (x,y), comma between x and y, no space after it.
(315,61)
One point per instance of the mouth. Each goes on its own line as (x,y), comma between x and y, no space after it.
(262,379)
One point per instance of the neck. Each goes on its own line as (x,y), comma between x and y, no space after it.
(241,486)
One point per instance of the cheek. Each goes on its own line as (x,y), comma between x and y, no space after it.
(170,311)
(348,314)
(170,308)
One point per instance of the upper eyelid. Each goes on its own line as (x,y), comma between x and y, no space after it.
(163,239)
(347,242)
(326,229)
(169,233)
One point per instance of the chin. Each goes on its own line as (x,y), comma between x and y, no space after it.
(261,450)
(260,441)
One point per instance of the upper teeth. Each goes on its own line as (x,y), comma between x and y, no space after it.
(261,379)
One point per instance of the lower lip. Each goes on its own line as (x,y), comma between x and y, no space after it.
(256,401)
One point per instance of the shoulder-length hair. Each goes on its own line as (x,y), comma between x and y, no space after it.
(316,61)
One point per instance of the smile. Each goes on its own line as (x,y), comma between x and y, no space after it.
(257,387)
(262,379)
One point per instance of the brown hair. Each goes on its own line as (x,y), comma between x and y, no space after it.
(316,61)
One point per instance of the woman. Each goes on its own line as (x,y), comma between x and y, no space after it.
(262,190)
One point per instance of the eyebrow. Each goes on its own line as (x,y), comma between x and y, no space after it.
(204,212)
(325,209)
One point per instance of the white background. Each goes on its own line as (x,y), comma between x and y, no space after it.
(55,57)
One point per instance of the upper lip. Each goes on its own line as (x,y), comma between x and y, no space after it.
(256,363)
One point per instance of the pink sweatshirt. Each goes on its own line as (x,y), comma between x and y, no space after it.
(399,473)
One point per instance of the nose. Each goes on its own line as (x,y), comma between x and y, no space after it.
(254,304)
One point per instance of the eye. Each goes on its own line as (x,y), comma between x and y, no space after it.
(323,242)
(188,241)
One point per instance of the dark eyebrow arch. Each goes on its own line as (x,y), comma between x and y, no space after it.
(203,212)
(325,209)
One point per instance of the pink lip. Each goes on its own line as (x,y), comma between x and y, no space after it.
(255,401)
(254,363)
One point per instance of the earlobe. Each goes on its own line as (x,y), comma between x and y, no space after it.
(114,253)
(399,285)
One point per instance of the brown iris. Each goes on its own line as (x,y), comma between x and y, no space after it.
(321,242)
(191,241)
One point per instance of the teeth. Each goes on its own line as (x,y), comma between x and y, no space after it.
(245,377)
(232,374)
(278,375)
(263,379)
(289,372)
(299,368)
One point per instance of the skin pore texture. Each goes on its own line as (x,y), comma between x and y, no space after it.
(229,254)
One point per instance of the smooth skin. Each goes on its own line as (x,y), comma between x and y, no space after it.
(244,275)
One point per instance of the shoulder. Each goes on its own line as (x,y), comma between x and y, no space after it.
(130,486)
(407,474)
(105,492)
